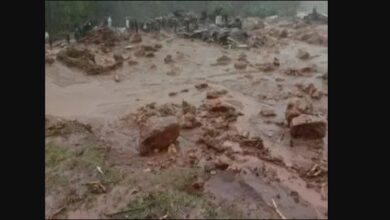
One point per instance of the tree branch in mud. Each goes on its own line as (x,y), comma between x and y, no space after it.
(277,210)
(52,216)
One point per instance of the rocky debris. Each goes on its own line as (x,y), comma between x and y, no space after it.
(270,66)
(222,162)
(149,48)
(240,65)
(253,142)
(188,108)
(172,93)
(55,126)
(200,86)
(172,73)
(215,93)
(198,184)
(132,62)
(296,107)
(216,108)
(231,147)
(82,59)
(189,121)
(223,60)
(118,58)
(158,133)
(140,52)
(168,109)
(116,78)
(149,54)
(252,23)
(168,59)
(149,110)
(308,127)
(303,54)
(312,37)
(136,38)
(242,57)
(283,33)
(209,166)
(49,60)
(310,89)
(267,112)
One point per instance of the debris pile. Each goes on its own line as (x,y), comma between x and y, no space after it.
(85,60)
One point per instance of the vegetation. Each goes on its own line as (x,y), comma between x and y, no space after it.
(62,16)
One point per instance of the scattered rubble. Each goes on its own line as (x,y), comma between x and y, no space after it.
(240,65)
(168,59)
(303,54)
(201,86)
(223,60)
(267,112)
(136,38)
(215,93)
(296,107)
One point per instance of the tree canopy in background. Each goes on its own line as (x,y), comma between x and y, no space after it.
(62,16)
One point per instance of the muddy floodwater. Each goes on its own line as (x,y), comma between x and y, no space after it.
(94,123)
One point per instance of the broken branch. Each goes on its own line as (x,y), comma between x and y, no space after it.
(277,210)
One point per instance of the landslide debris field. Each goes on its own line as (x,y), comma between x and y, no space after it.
(159,125)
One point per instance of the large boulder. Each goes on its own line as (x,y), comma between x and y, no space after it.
(158,133)
(308,127)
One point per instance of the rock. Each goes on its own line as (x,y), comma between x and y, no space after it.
(231,147)
(140,52)
(117,78)
(198,184)
(223,60)
(316,94)
(213,172)
(255,142)
(200,86)
(149,48)
(252,23)
(242,57)
(240,65)
(188,108)
(158,46)
(296,107)
(209,166)
(158,133)
(222,162)
(276,62)
(168,59)
(118,58)
(149,54)
(189,121)
(132,62)
(267,112)
(214,93)
(172,94)
(171,73)
(303,54)
(284,34)
(185,90)
(308,127)
(136,38)
(49,60)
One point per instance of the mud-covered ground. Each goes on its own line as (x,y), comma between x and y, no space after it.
(94,170)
